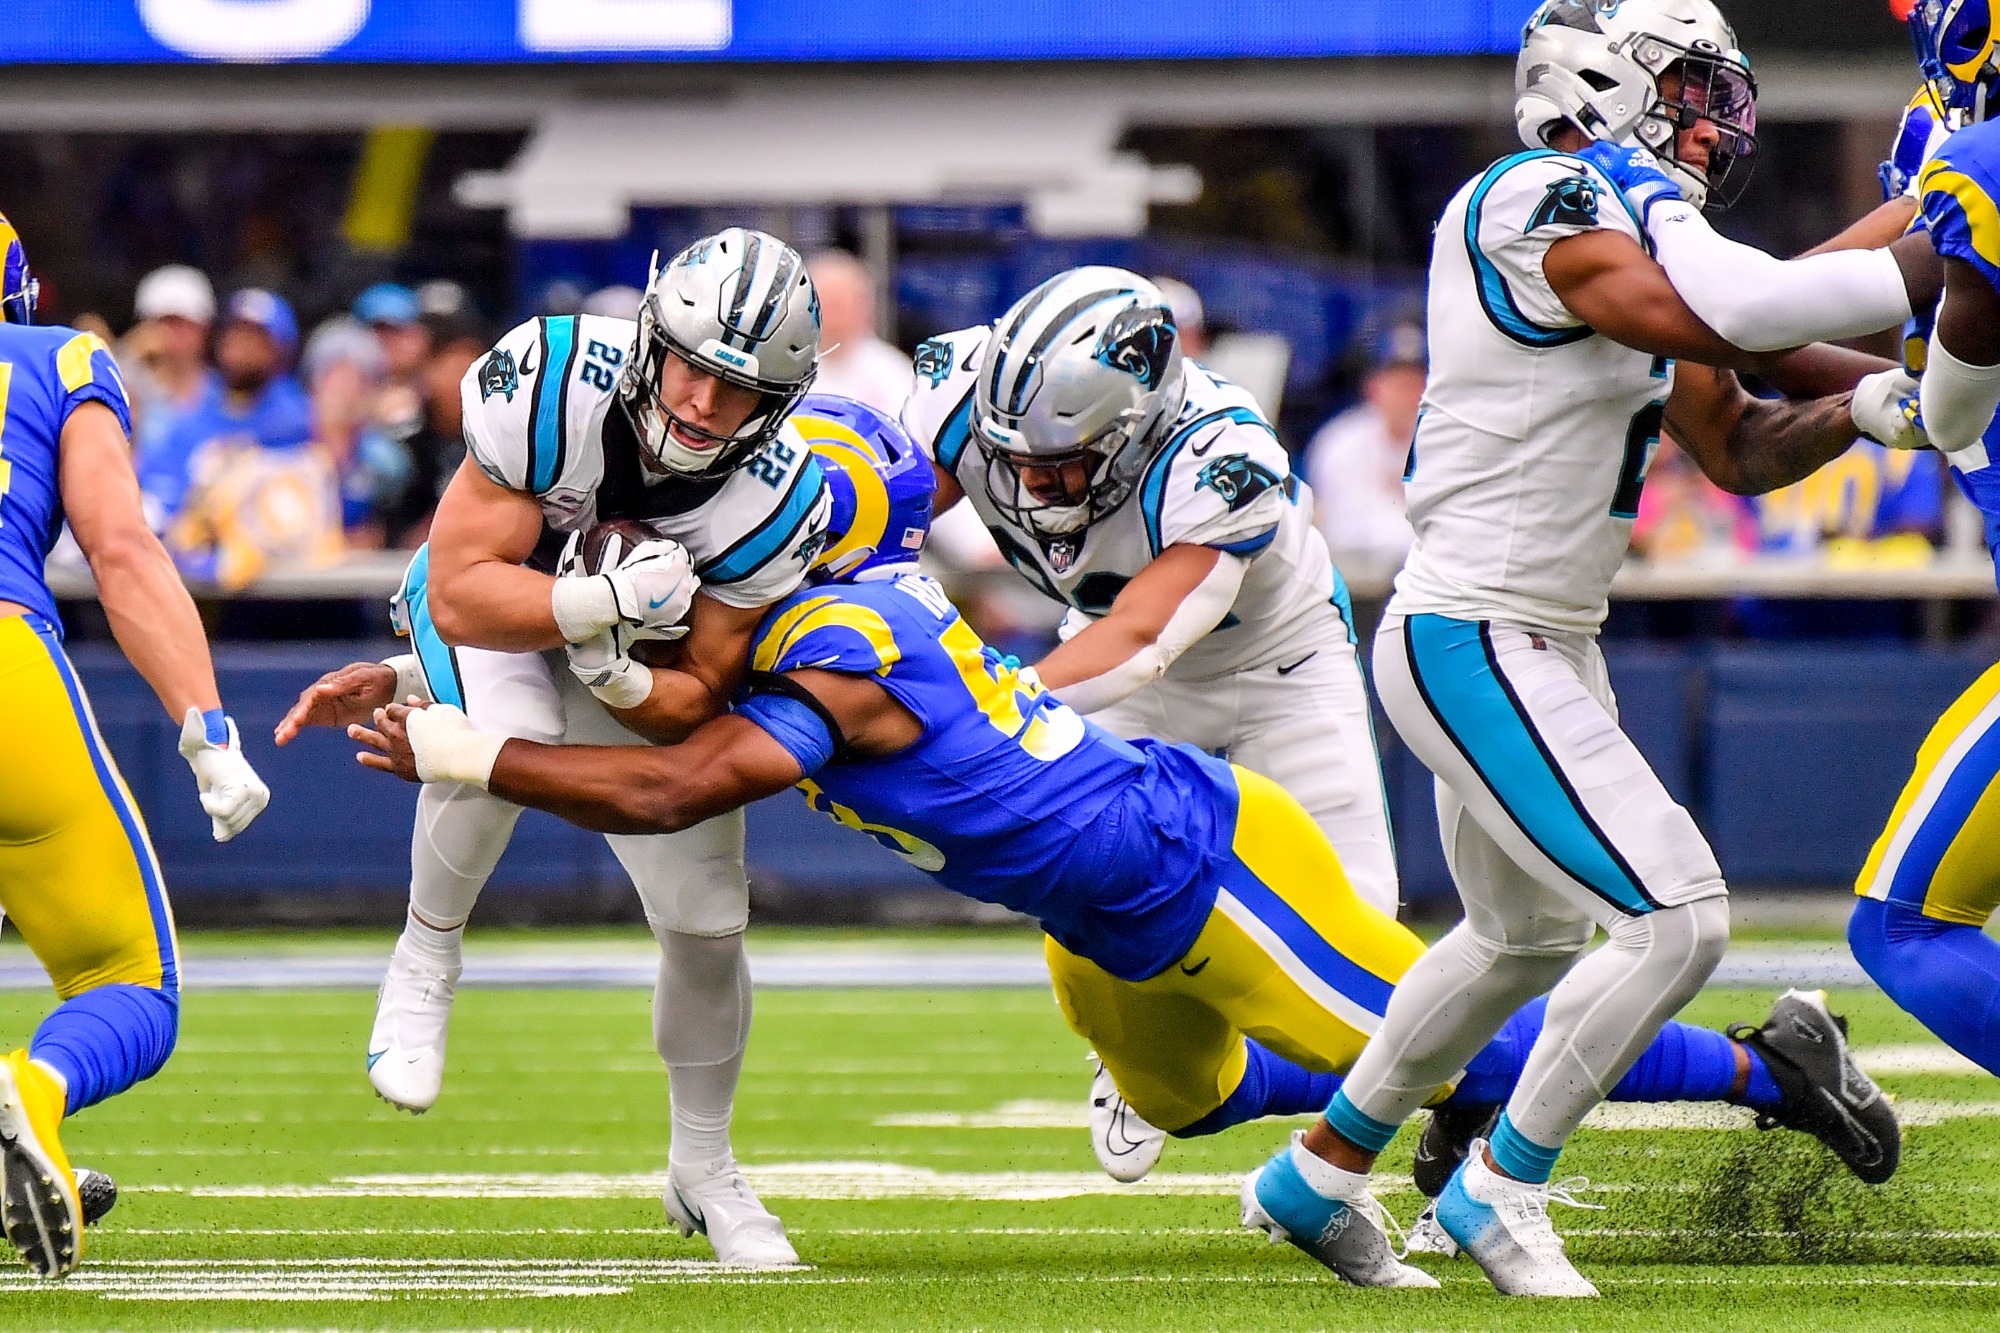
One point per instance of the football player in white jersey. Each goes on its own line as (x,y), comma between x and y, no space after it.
(678,421)
(1554,340)
(1151,497)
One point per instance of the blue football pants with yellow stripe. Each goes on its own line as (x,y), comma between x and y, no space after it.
(78,878)
(1285,984)
(1933,878)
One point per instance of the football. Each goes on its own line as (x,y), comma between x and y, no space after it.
(606,544)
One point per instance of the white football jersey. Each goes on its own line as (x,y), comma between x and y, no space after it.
(541,416)
(1220,478)
(1536,433)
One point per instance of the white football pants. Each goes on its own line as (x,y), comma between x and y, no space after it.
(1553,824)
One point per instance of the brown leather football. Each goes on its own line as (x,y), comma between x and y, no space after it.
(609,542)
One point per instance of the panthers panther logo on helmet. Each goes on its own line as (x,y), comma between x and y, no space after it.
(1139,340)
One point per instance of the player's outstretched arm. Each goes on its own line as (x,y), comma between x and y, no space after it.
(1607,280)
(151,614)
(1175,600)
(1749,445)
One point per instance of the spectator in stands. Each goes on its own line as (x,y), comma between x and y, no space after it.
(393,312)
(252,398)
(345,366)
(1355,463)
(854,361)
(1190,315)
(165,355)
(438,446)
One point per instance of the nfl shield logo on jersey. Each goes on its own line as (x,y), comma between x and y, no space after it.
(1062,553)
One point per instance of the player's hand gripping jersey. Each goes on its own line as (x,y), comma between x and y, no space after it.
(1116,848)
(1535,433)
(46,372)
(1222,479)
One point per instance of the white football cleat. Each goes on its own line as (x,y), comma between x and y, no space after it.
(406,1049)
(1504,1225)
(1127,1147)
(721,1205)
(1350,1235)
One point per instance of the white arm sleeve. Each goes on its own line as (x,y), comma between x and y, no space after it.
(1199,612)
(1957,400)
(1761,303)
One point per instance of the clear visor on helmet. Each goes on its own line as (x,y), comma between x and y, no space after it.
(1700,89)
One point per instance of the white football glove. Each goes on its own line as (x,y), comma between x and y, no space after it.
(1885,410)
(607,670)
(648,594)
(231,791)
(448,748)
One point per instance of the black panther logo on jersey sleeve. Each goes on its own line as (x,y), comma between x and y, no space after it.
(1238,480)
(1139,340)
(1571,202)
(933,360)
(498,375)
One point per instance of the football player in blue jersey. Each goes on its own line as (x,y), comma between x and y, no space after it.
(1933,878)
(77,875)
(1201,933)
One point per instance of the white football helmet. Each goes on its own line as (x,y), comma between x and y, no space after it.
(1597,65)
(1085,368)
(739,306)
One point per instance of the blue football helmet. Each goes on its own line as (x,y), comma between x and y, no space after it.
(18,288)
(882,487)
(1956,52)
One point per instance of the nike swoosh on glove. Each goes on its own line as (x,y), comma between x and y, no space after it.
(231,791)
(1884,409)
(1636,173)
(649,594)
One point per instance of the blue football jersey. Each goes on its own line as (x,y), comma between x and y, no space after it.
(46,371)
(1959,190)
(1009,796)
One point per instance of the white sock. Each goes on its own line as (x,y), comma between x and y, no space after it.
(1327,1180)
(701,1023)
(439,948)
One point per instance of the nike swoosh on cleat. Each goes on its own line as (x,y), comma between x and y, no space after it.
(1288,670)
(1194,971)
(374,1057)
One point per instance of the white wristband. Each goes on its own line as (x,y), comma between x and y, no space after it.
(630,685)
(583,607)
(449,749)
(409,677)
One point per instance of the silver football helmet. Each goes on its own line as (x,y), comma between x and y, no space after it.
(736,305)
(1084,369)
(1597,65)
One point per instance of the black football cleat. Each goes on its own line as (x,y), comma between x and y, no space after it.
(1804,1044)
(97,1192)
(1446,1140)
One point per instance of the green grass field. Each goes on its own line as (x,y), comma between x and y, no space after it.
(922,1148)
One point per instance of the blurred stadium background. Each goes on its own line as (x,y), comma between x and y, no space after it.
(412,176)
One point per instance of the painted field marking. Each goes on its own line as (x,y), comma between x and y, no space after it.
(365,1279)
(1924,1057)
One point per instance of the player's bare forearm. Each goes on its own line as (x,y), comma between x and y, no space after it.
(1752,446)
(1137,619)
(1882,226)
(1820,370)
(480,594)
(714,656)
(151,614)
(625,789)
